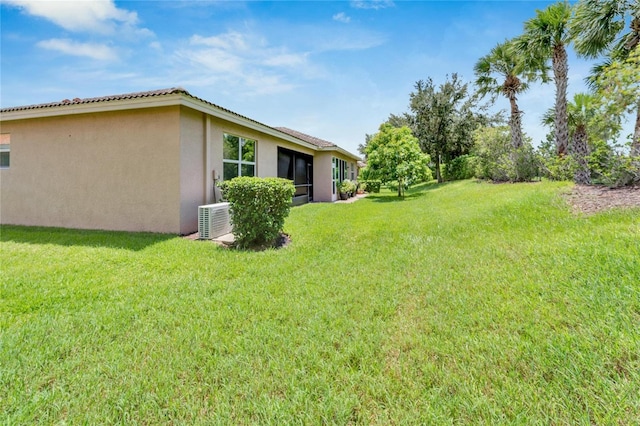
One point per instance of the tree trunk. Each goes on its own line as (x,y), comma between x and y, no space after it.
(560,71)
(580,151)
(515,123)
(635,143)
(438,173)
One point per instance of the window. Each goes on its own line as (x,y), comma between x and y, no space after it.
(5,149)
(239,157)
(297,167)
(339,172)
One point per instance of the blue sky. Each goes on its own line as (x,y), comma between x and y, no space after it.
(334,70)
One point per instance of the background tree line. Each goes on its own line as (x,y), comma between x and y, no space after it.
(460,139)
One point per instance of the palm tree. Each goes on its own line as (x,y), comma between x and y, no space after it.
(546,36)
(515,74)
(580,113)
(598,27)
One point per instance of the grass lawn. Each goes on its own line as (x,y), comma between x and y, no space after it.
(464,303)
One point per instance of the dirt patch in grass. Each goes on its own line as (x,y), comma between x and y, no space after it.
(594,199)
(282,241)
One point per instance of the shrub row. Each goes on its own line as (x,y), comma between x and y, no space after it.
(372,186)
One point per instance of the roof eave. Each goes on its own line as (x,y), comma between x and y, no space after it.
(208,108)
(341,151)
(173,99)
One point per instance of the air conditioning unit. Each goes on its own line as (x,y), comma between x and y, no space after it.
(213,221)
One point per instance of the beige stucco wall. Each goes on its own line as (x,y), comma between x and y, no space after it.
(109,170)
(322,177)
(266,147)
(192,168)
(323,174)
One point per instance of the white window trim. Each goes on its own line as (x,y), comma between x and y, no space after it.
(240,162)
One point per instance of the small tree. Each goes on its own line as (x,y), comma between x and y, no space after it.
(259,207)
(394,155)
(443,119)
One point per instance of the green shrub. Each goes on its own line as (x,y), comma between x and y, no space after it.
(559,168)
(459,168)
(371,186)
(259,207)
(347,187)
(620,170)
(498,161)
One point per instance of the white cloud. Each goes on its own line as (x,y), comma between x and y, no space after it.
(372,4)
(100,52)
(242,61)
(229,41)
(100,16)
(342,17)
(287,60)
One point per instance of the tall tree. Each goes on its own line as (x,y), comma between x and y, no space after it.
(393,154)
(504,72)
(443,119)
(580,114)
(598,27)
(619,91)
(546,36)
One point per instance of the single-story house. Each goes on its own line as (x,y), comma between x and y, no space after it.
(145,161)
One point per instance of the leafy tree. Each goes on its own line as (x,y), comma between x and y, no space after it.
(506,72)
(619,91)
(546,36)
(393,120)
(598,27)
(394,155)
(443,119)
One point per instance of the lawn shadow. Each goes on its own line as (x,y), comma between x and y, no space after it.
(133,241)
(415,192)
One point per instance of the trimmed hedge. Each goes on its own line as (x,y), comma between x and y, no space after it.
(259,207)
(371,186)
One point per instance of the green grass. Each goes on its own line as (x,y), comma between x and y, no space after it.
(465,303)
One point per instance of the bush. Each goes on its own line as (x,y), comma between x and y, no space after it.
(347,187)
(259,207)
(620,170)
(371,186)
(559,168)
(498,161)
(460,168)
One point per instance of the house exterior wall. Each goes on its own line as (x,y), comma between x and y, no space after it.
(192,168)
(109,170)
(323,171)
(323,177)
(266,148)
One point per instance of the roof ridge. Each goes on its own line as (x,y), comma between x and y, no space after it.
(132,95)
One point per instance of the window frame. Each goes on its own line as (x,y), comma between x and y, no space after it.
(5,147)
(239,162)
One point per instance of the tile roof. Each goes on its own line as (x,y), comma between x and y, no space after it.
(77,101)
(135,95)
(321,143)
(307,138)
